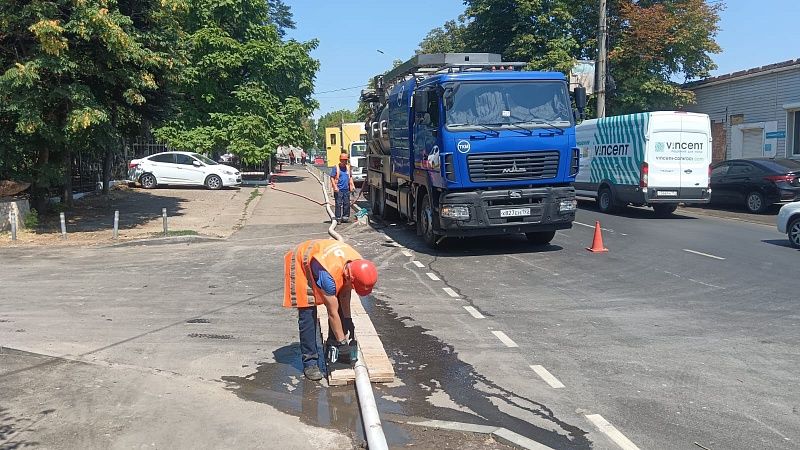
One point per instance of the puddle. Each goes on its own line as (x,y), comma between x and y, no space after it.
(198,321)
(210,336)
(426,369)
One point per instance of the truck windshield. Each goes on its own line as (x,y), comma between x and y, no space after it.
(358,150)
(531,104)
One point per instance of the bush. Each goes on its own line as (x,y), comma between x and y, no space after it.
(31,220)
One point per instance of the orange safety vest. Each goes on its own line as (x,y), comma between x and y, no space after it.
(298,281)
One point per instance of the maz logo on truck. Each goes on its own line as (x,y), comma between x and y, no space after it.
(611,150)
(514,169)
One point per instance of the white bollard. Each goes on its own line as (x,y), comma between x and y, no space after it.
(116,224)
(63,226)
(164,216)
(12,218)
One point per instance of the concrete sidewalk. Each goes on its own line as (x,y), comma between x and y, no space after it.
(173,346)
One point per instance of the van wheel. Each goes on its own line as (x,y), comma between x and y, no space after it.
(756,203)
(665,210)
(605,201)
(540,237)
(426,221)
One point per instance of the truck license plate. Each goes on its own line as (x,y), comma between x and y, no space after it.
(517,212)
(667,193)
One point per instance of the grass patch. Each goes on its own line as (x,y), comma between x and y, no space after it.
(173,233)
(253,195)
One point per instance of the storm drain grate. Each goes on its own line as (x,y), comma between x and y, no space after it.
(198,321)
(210,336)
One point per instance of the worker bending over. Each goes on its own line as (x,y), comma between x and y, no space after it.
(325,270)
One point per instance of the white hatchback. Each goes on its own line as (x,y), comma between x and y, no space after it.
(789,222)
(182,168)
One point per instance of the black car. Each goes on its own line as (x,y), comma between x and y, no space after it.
(755,183)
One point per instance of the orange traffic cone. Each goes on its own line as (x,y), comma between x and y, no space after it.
(597,242)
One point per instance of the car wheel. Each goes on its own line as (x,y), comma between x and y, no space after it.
(148,181)
(665,210)
(214,182)
(756,203)
(793,232)
(605,201)
(426,222)
(541,237)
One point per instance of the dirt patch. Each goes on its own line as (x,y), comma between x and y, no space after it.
(190,211)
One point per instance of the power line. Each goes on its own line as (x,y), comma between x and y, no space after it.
(342,89)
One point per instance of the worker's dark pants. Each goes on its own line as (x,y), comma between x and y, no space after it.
(309,347)
(342,204)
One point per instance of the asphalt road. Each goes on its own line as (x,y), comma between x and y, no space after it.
(685,334)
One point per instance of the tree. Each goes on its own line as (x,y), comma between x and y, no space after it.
(652,42)
(75,74)
(244,91)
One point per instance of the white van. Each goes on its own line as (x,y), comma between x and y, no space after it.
(658,159)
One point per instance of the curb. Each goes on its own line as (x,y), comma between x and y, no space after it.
(501,434)
(168,240)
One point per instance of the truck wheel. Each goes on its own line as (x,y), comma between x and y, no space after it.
(605,201)
(540,237)
(665,209)
(426,222)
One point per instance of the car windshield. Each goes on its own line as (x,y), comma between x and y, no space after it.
(495,104)
(781,165)
(206,160)
(358,150)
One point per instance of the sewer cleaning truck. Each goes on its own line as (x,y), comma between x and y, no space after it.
(464,144)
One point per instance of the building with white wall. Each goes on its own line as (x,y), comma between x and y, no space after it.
(754,113)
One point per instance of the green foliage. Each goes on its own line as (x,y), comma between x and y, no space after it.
(244,90)
(334,119)
(651,42)
(31,220)
(75,75)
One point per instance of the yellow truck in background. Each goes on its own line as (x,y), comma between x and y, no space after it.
(338,138)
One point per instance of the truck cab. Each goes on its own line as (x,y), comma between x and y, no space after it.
(358,161)
(472,147)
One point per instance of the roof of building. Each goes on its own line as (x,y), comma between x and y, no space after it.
(743,73)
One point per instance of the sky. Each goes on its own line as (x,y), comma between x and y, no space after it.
(351,33)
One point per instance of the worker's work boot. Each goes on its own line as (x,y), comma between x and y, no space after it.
(312,373)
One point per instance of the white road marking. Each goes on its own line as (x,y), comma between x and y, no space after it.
(613,433)
(592,226)
(418,264)
(704,254)
(694,281)
(474,313)
(432,276)
(505,339)
(407,253)
(547,377)
(451,292)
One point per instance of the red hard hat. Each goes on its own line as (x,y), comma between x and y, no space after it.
(364,274)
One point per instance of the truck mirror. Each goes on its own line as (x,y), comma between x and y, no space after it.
(579,93)
(421,101)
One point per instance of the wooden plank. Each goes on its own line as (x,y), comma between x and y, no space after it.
(371,349)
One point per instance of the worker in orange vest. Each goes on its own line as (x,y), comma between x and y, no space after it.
(326,271)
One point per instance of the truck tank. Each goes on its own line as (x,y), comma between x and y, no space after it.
(377,123)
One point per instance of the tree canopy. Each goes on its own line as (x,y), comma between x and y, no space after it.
(651,43)
(244,90)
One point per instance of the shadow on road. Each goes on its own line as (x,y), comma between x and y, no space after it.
(631,212)
(779,243)
(96,212)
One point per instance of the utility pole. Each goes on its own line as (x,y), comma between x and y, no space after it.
(341,132)
(601,62)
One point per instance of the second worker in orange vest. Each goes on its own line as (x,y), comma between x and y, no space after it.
(324,271)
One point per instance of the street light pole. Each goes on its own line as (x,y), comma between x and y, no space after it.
(601,62)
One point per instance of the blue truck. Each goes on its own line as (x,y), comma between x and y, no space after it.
(464,144)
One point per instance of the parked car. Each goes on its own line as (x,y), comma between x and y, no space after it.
(182,168)
(755,183)
(789,222)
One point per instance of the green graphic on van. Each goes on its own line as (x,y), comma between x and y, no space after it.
(659,146)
